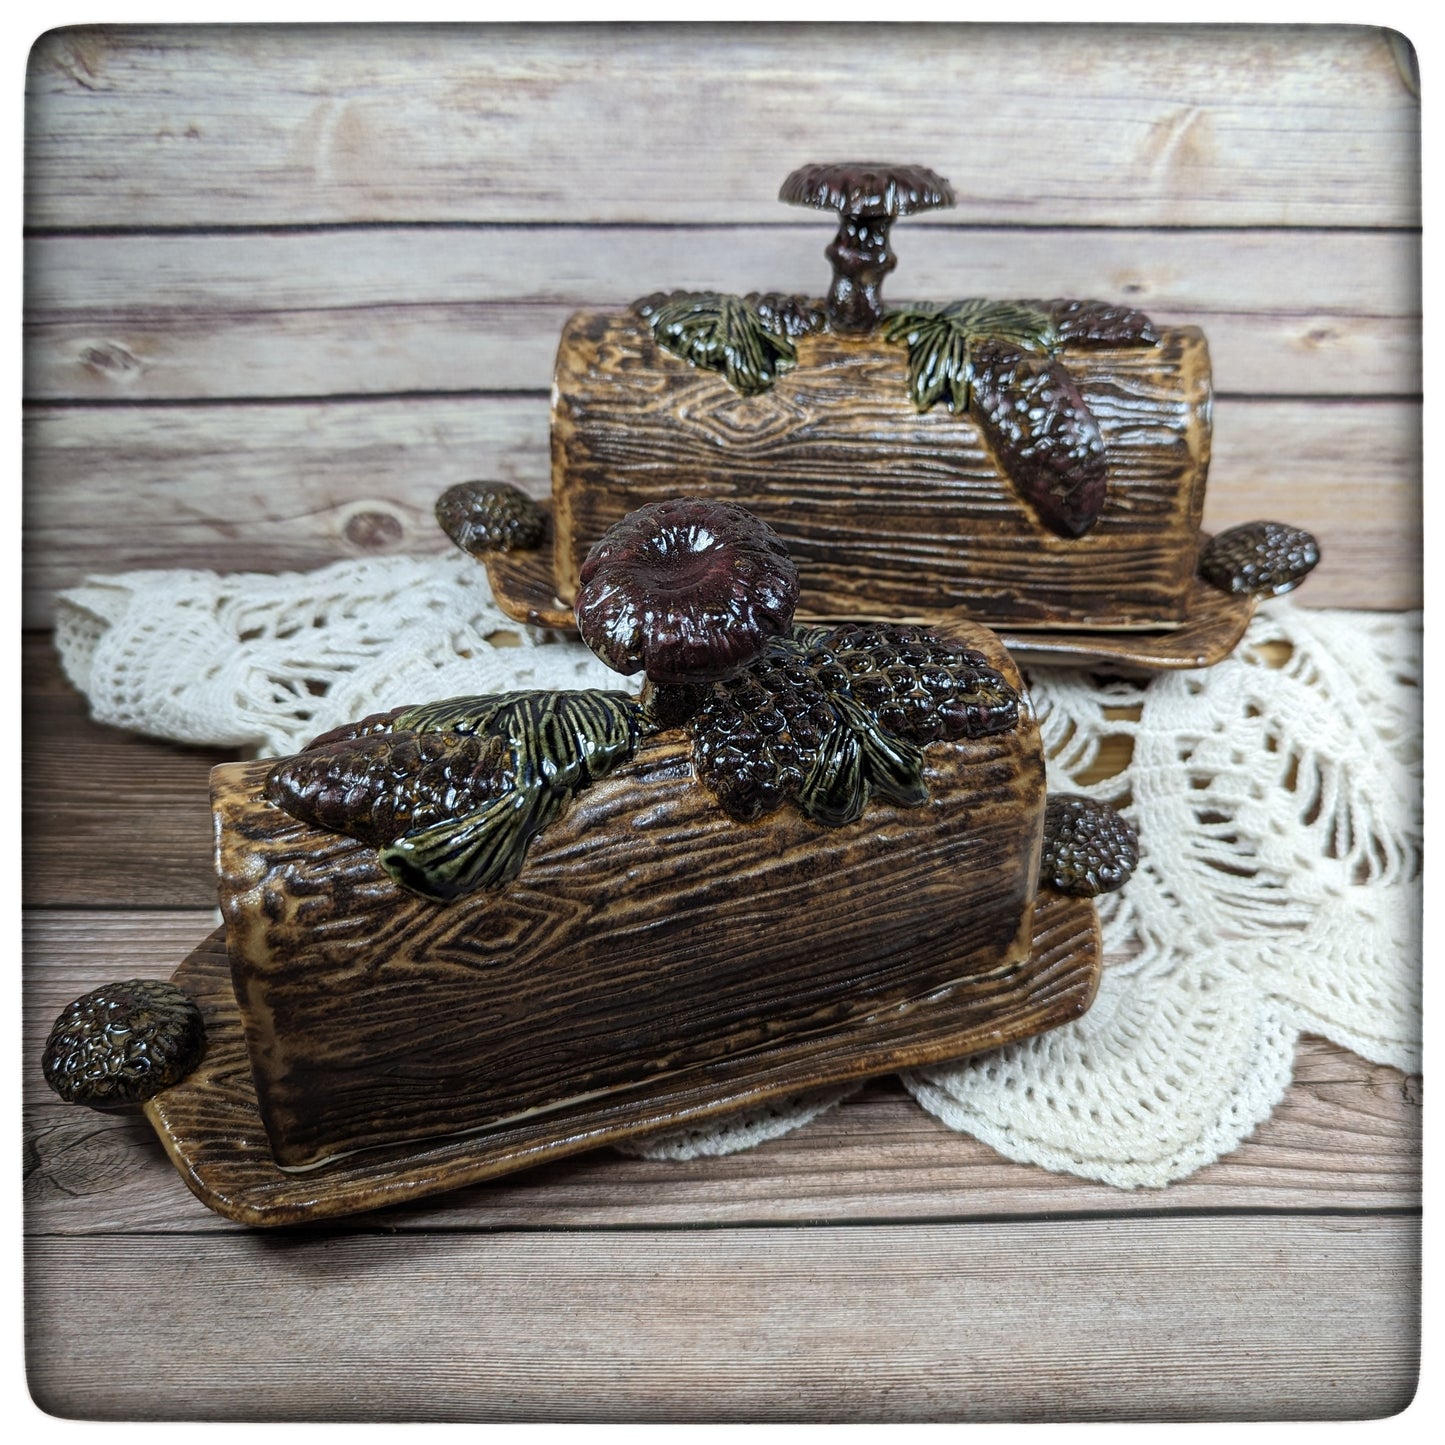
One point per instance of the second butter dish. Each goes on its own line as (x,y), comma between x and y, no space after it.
(1035,465)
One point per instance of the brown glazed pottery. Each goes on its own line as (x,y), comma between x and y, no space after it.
(1037,466)
(468,935)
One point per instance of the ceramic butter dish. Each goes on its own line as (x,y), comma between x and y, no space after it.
(1037,465)
(464,936)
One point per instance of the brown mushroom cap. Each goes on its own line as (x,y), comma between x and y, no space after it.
(861,188)
(686,591)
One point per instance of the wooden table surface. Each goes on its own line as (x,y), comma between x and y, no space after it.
(285,285)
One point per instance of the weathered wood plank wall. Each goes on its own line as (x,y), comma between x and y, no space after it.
(285,284)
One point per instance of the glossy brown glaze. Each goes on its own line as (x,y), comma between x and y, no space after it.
(1042,434)
(122,1043)
(1089,846)
(1214,623)
(525,587)
(685,590)
(1259,559)
(451,793)
(211,1126)
(889,512)
(1000,362)
(827,718)
(648,933)
(482,517)
(868,198)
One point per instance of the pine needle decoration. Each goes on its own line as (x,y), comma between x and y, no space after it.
(720,332)
(941,338)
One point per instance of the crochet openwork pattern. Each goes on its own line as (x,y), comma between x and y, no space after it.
(1277,798)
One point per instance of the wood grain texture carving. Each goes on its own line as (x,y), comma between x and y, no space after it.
(889,512)
(647,934)
(212,1129)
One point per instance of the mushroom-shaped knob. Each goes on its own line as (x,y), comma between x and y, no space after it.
(1263,559)
(1089,848)
(483,517)
(686,591)
(123,1043)
(868,199)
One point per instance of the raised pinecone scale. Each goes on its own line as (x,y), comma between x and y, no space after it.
(122,1044)
(828,717)
(451,793)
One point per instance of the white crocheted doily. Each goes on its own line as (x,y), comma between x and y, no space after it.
(1277,798)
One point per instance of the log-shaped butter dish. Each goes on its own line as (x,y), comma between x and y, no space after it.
(466,936)
(1036,465)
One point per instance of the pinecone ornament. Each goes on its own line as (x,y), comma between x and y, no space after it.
(1042,433)
(124,1043)
(483,517)
(452,793)
(1089,848)
(831,716)
(1264,559)
(379,786)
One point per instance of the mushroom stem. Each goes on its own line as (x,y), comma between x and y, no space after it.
(861,259)
(868,198)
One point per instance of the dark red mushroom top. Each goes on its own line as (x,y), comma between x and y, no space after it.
(858,188)
(685,591)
